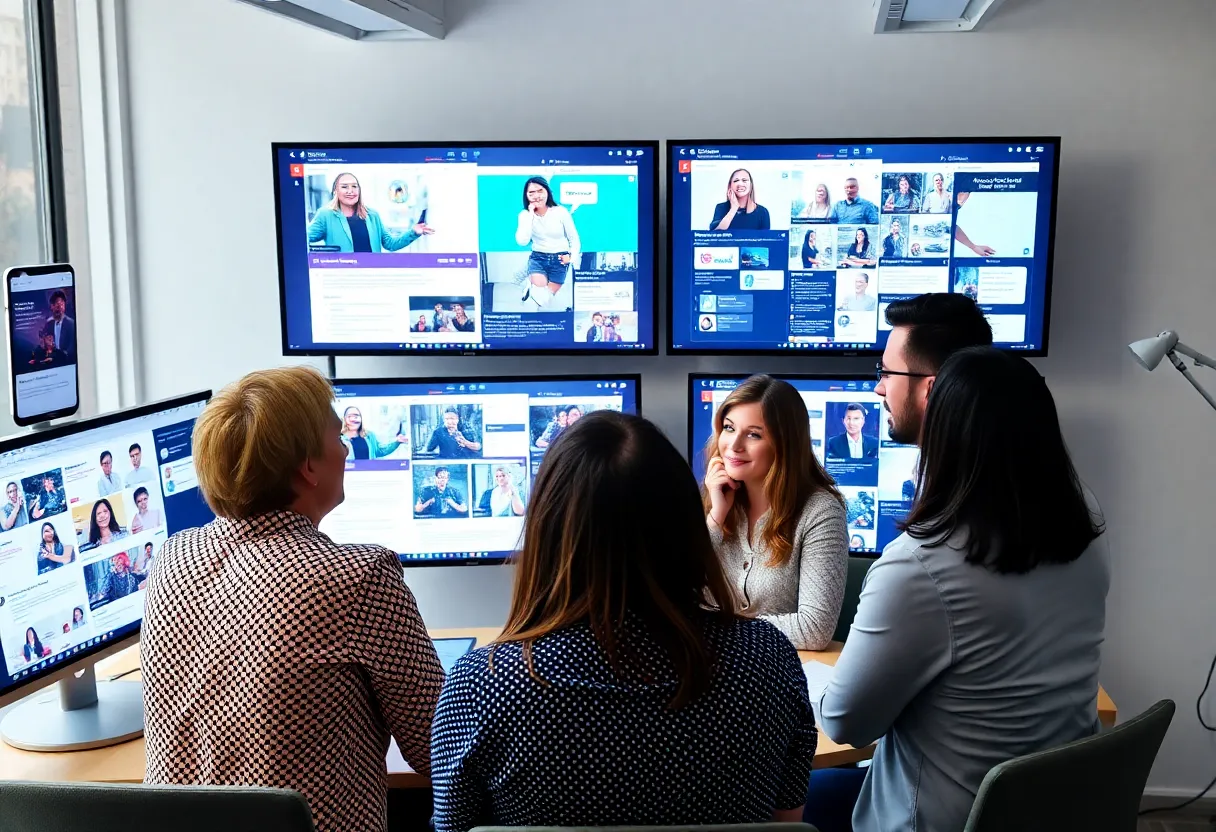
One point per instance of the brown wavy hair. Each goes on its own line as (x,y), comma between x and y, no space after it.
(595,551)
(796,474)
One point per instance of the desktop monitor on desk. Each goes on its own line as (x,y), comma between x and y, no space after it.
(86,509)
(876,477)
(441,470)
(780,245)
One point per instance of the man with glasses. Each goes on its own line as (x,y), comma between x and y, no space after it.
(926,330)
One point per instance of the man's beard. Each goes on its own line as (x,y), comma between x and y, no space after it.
(903,430)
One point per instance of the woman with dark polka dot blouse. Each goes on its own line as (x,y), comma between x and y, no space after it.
(624,689)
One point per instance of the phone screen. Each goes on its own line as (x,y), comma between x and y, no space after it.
(42,343)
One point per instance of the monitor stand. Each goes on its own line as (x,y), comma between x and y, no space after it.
(86,714)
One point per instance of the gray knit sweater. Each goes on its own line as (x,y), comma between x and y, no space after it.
(802,597)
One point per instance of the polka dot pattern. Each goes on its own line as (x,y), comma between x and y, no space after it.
(591,749)
(272,656)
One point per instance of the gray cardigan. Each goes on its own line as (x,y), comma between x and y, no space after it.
(802,597)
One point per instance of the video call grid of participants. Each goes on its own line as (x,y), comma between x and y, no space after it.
(469,457)
(858,235)
(492,253)
(79,533)
(875,475)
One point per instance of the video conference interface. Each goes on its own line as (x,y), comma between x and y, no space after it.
(523,248)
(876,476)
(82,519)
(801,246)
(442,471)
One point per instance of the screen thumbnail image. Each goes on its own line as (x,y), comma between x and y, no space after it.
(992,285)
(604,326)
(39,638)
(451,431)
(55,546)
(503,489)
(380,209)
(856,246)
(857,290)
(441,492)
(101,522)
(812,247)
(861,508)
(836,190)
(929,236)
(43,329)
(897,474)
(851,428)
(893,236)
(995,224)
(740,196)
(110,579)
(429,313)
(44,494)
(373,428)
(547,422)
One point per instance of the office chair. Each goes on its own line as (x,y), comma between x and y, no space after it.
(858,567)
(98,807)
(1094,783)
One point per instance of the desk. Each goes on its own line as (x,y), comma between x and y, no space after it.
(125,763)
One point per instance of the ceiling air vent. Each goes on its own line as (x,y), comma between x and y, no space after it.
(363,19)
(932,15)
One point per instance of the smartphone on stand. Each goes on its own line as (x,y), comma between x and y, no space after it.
(40,328)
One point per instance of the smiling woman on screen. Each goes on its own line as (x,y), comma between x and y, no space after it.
(775,516)
(360,442)
(740,211)
(346,224)
(549,229)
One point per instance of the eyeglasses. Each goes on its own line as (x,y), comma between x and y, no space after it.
(883,373)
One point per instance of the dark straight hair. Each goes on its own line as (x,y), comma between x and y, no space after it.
(994,467)
(544,183)
(939,324)
(596,552)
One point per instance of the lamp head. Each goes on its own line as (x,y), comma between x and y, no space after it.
(1148,352)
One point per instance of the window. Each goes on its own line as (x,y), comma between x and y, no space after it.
(31,228)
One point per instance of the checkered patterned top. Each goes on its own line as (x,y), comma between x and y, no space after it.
(272,656)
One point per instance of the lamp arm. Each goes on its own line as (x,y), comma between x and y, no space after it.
(1199,358)
(1181,367)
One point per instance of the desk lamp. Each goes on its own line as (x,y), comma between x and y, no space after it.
(1149,352)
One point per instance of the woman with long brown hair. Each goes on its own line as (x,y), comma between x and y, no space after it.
(624,689)
(775,516)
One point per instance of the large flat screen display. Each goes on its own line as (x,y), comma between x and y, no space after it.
(495,247)
(440,470)
(85,511)
(876,476)
(800,245)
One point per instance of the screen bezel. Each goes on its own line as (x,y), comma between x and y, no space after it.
(36,271)
(693,378)
(673,146)
(636,378)
(101,650)
(651,145)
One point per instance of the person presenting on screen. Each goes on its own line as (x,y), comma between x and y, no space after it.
(893,243)
(775,518)
(14,514)
(61,326)
(108,482)
(139,475)
(937,201)
(859,301)
(49,502)
(503,499)
(553,429)
(853,444)
(596,332)
(421,325)
(821,207)
(856,542)
(122,580)
(52,554)
(460,321)
(78,618)
(360,442)
(810,251)
(441,499)
(861,253)
(740,211)
(33,646)
(46,354)
(901,200)
(961,236)
(853,208)
(347,225)
(145,518)
(449,440)
(103,526)
(550,230)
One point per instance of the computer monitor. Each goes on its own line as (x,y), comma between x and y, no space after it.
(441,470)
(504,247)
(799,245)
(87,507)
(876,476)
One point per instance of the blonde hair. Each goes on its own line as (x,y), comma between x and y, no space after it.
(255,433)
(335,205)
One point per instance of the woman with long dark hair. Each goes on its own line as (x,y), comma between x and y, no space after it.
(52,553)
(33,648)
(622,660)
(103,525)
(977,636)
(549,229)
(774,515)
(861,254)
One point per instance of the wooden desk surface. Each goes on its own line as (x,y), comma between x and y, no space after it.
(125,763)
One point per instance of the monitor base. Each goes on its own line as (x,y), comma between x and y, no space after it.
(86,714)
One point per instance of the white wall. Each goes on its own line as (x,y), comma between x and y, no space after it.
(1125,82)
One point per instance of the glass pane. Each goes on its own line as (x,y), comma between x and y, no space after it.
(21,210)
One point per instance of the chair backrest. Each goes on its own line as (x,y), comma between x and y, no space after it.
(858,567)
(97,807)
(1094,783)
(738,827)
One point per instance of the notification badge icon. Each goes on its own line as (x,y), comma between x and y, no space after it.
(686,166)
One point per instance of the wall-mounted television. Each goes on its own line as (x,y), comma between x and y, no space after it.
(490,247)
(776,246)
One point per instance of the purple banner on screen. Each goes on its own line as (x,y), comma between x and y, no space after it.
(378,465)
(389,260)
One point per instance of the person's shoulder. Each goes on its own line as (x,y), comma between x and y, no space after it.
(820,506)
(754,643)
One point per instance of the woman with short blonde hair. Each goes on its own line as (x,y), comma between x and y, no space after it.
(258,620)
